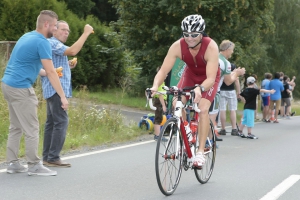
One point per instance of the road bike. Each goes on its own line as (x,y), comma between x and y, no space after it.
(179,150)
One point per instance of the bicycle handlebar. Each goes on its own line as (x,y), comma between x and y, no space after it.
(175,92)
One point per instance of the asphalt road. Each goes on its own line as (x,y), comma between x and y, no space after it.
(244,170)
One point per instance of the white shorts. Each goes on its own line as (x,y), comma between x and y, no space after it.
(214,107)
(228,98)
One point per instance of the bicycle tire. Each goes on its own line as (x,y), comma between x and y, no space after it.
(204,174)
(168,166)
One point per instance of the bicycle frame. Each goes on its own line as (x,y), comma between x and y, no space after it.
(178,115)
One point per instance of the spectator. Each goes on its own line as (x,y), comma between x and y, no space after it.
(266,97)
(31,53)
(249,96)
(292,86)
(159,101)
(57,119)
(285,99)
(227,76)
(257,87)
(275,98)
(228,96)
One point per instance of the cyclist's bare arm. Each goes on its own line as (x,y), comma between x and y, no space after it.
(212,65)
(169,61)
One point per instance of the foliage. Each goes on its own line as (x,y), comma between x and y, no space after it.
(101,9)
(284,45)
(81,8)
(99,61)
(149,27)
(104,11)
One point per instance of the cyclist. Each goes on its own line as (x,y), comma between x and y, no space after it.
(200,53)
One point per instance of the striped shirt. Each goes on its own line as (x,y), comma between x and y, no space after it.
(59,60)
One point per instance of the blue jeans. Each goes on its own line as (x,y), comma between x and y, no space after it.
(55,129)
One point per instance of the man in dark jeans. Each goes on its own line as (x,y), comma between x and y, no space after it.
(57,118)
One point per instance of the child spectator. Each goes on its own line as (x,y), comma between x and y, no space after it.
(249,96)
(159,101)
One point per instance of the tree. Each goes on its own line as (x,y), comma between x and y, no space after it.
(149,27)
(99,61)
(284,45)
(82,8)
(104,11)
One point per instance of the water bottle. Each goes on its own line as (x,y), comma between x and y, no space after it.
(194,129)
(188,131)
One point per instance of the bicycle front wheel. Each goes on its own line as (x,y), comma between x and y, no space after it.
(204,174)
(168,157)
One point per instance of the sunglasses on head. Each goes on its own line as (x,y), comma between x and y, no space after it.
(193,35)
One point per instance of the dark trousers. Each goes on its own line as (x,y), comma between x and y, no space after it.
(55,129)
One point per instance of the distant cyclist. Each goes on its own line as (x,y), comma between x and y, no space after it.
(200,53)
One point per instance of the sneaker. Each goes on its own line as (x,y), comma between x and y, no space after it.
(15,167)
(163,138)
(199,160)
(250,136)
(267,120)
(219,139)
(222,132)
(293,113)
(242,135)
(275,121)
(58,163)
(234,132)
(39,169)
(288,117)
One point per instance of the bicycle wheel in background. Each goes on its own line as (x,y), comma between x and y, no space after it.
(204,174)
(168,165)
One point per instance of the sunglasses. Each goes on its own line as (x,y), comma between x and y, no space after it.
(193,35)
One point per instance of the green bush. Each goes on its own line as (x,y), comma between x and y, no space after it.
(100,62)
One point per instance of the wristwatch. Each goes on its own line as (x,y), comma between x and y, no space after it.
(201,87)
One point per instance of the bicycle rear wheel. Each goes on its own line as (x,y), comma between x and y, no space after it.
(204,174)
(168,157)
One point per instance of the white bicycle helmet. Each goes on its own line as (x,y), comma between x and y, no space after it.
(193,23)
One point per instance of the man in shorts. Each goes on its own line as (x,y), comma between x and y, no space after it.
(228,97)
(227,76)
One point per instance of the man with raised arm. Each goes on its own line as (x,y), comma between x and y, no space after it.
(57,119)
(200,53)
(31,53)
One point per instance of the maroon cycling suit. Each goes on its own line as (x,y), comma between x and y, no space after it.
(195,73)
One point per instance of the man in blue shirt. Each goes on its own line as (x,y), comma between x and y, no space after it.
(57,118)
(275,98)
(266,97)
(30,54)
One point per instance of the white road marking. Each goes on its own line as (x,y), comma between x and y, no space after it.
(97,152)
(281,188)
(106,150)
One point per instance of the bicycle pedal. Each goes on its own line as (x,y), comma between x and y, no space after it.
(198,168)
